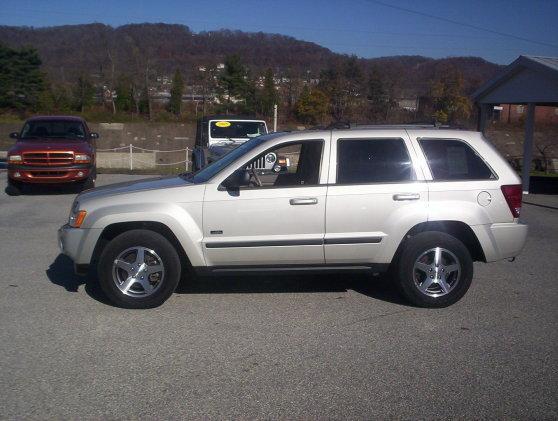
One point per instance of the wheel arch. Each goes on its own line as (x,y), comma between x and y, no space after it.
(458,229)
(113,230)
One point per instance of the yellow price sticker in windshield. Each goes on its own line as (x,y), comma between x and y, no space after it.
(223,123)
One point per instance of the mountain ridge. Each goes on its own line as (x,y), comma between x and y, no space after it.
(97,49)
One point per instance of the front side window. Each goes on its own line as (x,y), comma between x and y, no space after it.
(288,165)
(373,161)
(211,170)
(452,159)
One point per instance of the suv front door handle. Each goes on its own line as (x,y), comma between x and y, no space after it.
(406,196)
(304,201)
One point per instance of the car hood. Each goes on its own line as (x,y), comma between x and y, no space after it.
(221,149)
(133,187)
(46,144)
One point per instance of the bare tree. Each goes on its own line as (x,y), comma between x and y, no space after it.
(544,148)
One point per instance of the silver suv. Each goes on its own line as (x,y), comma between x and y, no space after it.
(423,203)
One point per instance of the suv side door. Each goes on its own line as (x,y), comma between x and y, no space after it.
(376,194)
(279,223)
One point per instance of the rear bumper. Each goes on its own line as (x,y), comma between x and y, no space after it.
(36,174)
(501,241)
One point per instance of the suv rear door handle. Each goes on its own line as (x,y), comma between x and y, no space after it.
(304,201)
(406,196)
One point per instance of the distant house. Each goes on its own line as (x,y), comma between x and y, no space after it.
(508,113)
(408,104)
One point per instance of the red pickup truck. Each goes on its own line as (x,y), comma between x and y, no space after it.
(53,150)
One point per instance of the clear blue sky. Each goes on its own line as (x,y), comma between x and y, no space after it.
(367,28)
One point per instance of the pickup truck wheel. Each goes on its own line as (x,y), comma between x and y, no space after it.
(13,188)
(139,269)
(87,184)
(435,270)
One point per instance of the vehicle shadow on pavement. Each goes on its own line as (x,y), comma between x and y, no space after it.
(377,287)
(61,272)
(45,189)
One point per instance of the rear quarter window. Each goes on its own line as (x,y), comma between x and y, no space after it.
(452,159)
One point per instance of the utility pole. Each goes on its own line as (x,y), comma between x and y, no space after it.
(274,117)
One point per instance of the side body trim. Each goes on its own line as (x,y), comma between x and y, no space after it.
(276,243)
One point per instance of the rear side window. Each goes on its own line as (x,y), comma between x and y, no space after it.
(372,161)
(451,159)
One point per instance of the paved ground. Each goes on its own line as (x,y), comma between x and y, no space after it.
(291,347)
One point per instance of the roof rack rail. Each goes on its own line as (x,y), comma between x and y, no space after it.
(345,125)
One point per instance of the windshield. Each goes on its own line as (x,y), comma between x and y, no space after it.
(223,129)
(208,172)
(66,129)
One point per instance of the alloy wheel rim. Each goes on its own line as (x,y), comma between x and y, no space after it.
(436,272)
(138,272)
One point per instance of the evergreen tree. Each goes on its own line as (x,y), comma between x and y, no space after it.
(143,103)
(124,94)
(83,93)
(376,95)
(175,103)
(269,95)
(233,82)
(21,80)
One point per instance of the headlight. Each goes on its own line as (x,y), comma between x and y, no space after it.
(82,158)
(270,158)
(14,158)
(76,216)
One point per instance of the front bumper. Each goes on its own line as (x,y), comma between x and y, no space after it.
(78,243)
(47,174)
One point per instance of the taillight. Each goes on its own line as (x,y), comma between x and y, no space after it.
(513,194)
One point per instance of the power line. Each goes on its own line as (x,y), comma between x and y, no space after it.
(464,24)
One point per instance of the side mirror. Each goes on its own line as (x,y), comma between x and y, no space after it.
(239,178)
(94,135)
(14,135)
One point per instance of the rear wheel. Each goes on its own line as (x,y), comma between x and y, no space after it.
(139,269)
(435,270)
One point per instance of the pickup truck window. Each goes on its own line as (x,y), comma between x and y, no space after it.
(452,159)
(236,129)
(53,129)
(362,161)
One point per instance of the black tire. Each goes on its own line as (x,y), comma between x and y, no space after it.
(408,278)
(14,188)
(87,184)
(150,240)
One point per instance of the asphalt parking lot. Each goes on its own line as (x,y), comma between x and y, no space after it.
(278,347)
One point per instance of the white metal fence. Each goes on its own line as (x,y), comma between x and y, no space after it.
(126,156)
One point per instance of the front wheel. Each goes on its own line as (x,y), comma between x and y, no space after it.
(139,269)
(435,270)
(14,188)
(87,184)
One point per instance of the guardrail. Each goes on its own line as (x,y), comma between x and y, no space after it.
(132,157)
